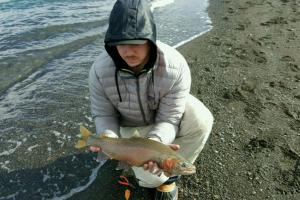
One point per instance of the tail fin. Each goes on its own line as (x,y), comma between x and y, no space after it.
(85,133)
(80,144)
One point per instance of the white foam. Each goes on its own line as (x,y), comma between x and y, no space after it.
(32,147)
(11,151)
(46,177)
(4,166)
(160,3)
(73,191)
(4,1)
(56,133)
(89,118)
(11,196)
(191,38)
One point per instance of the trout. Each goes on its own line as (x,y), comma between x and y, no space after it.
(137,151)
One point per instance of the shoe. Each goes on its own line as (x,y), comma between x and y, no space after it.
(166,192)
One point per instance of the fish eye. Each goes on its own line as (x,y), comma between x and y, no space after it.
(184,165)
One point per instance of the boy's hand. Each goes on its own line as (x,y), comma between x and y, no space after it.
(106,133)
(101,156)
(95,149)
(152,166)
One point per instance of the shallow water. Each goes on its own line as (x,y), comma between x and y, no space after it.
(46,50)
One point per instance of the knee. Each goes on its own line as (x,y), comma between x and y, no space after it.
(205,121)
(209,121)
(200,115)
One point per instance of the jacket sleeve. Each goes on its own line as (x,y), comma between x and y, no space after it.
(172,105)
(103,112)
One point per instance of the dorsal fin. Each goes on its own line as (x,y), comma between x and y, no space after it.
(85,133)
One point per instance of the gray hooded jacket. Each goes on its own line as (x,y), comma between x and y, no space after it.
(156,96)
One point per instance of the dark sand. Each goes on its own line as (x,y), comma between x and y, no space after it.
(247,71)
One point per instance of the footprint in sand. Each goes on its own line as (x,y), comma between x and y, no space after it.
(291,111)
(290,63)
(267,40)
(291,35)
(261,143)
(284,1)
(287,59)
(231,10)
(215,41)
(293,67)
(290,179)
(274,21)
(260,56)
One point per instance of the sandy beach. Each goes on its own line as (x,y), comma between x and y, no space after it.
(247,71)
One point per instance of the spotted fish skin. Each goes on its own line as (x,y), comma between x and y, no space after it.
(137,151)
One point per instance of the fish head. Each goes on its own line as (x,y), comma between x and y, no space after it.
(177,166)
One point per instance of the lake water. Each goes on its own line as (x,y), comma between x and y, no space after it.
(46,50)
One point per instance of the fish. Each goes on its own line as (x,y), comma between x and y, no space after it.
(136,151)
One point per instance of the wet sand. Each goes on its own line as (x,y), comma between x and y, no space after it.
(247,71)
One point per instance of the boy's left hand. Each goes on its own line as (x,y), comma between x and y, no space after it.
(153,166)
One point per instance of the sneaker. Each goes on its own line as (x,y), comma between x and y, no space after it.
(166,192)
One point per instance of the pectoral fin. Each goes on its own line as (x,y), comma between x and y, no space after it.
(85,133)
(80,144)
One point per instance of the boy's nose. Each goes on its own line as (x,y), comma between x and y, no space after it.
(128,49)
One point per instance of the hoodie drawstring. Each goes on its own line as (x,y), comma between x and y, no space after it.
(117,84)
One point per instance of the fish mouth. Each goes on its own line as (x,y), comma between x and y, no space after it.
(188,171)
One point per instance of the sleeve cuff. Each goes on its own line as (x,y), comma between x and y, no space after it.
(104,124)
(164,131)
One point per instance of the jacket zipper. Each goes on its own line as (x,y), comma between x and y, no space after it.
(140,102)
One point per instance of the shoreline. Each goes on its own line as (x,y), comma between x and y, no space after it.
(182,43)
(246,71)
(253,151)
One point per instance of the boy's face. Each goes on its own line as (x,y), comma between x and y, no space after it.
(135,55)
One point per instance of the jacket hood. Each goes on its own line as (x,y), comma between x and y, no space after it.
(130,20)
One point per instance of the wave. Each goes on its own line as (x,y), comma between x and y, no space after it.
(191,38)
(19,67)
(40,35)
(73,191)
(160,3)
(52,30)
(11,151)
(4,1)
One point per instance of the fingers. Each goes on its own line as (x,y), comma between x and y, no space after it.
(167,174)
(146,166)
(153,168)
(109,133)
(175,147)
(95,149)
